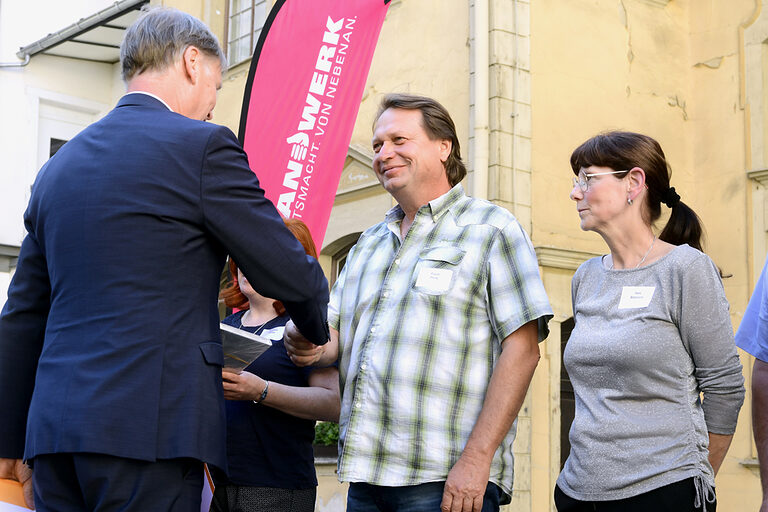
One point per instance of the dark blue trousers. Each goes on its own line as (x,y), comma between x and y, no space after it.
(364,497)
(86,482)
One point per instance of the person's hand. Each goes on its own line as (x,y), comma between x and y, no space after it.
(301,351)
(15,469)
(466,484)
(242,386)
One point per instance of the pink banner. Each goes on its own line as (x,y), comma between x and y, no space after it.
(301,100)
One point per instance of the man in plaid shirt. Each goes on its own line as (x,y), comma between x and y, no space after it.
(435,321)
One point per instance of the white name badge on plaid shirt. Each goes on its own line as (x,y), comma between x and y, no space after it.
(436,280)
(634,297)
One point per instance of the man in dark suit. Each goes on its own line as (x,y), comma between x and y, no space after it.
(110,354)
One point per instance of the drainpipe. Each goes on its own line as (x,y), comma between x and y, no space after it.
(481,99)
(515,81)
(16,64)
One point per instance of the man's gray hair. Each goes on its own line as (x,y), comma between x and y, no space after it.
(160,36)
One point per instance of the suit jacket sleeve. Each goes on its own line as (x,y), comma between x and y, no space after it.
(22,330)
(248,225)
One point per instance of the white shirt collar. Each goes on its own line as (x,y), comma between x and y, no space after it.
(158,98)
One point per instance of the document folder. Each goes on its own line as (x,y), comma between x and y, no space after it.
(241,348)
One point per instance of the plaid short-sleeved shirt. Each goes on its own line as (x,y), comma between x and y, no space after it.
(421,324)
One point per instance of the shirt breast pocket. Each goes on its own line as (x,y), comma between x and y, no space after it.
(436,270)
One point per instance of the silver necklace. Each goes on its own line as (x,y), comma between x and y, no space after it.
(258,327)
(641,259)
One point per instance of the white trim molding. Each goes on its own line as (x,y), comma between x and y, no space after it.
(9,257)
(759,175)
(556,257)
(358,172)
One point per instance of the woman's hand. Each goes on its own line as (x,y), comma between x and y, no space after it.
(718,447)
(242,386)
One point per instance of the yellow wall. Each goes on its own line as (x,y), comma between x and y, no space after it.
(671,70)
(404,63)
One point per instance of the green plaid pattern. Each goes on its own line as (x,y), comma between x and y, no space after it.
(416,355)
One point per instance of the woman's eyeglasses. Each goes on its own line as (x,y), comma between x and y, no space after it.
(583,179)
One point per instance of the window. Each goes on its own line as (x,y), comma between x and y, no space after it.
(246,17)
(338,262)
(57,123)
(56,145)
(338,251)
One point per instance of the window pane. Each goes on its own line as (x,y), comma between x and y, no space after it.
(240,25)
(239,50)
(56,145)
(260,12)
(236,6)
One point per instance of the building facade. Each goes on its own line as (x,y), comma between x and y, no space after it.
(526,82)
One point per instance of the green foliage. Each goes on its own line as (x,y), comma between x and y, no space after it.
(326,433)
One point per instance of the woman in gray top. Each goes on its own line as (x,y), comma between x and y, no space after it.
(652,333)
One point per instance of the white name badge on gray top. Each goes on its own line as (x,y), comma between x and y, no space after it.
(436,280)
(633,297)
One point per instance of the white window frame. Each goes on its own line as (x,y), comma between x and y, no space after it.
(255,6)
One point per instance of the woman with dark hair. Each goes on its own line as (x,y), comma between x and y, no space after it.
(271,409)
(652,333)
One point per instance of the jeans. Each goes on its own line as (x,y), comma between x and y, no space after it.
(364,497)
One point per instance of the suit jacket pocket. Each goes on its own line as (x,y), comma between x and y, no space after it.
(212,353)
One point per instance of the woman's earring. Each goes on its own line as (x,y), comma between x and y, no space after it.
(629,201)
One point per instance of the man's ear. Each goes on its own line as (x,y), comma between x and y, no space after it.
(190,59)
(445,149)
(636,180)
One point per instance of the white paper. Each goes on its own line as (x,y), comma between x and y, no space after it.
(240,347)
(274,334)
(7,507)
(435,280)
(634,297)
(208,487)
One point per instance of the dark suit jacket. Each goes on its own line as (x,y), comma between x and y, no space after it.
(109,340)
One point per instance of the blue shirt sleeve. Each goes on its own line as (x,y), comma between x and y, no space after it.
(752,335)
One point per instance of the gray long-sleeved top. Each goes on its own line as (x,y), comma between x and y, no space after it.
(646,342)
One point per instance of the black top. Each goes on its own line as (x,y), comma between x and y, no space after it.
(267,447)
